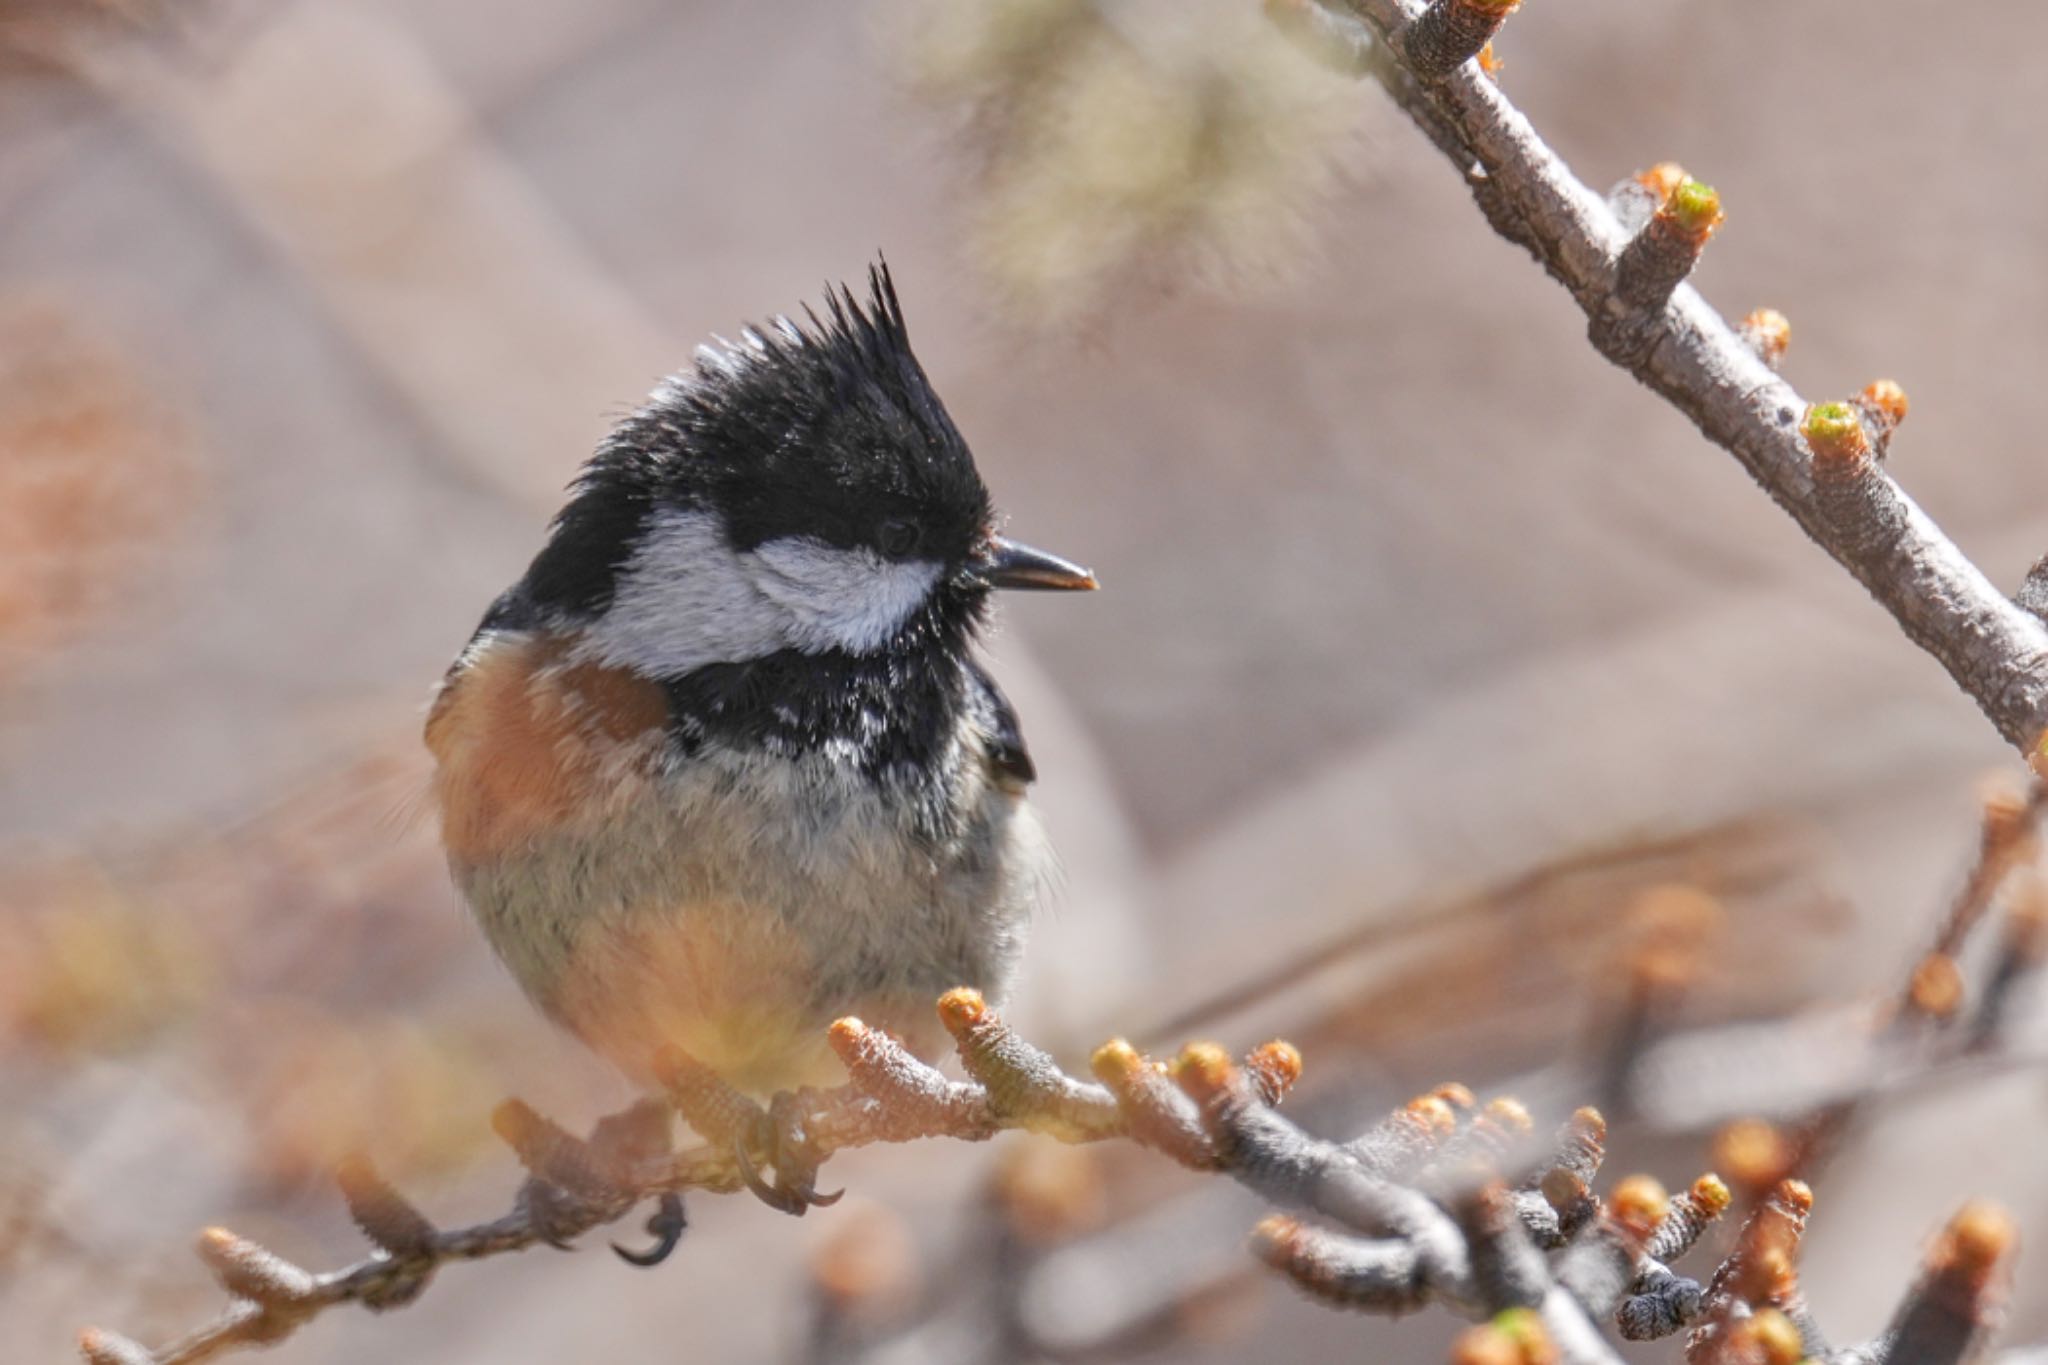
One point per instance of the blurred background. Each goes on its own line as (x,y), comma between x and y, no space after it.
(1432,651)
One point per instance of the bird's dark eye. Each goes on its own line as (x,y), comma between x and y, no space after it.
(898,537)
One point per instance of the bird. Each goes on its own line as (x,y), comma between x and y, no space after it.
(722,765)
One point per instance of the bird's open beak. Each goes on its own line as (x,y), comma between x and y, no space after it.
(1010,565)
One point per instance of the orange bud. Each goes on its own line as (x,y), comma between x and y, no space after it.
(1485,1345)
(1203,1069)
(1796,1194)
(1769,333)
(846,1031)
(1887,399)
(1694,207)
(1976,1239)
(1433,1114)
(1755,1154)
(1662,178)
(1114,1059)
(1834,433)
(961,1009)
(1275,1238)
(1461,1099)
(1639,1203)
(1511,1114)
(1523,1327)
(1773,1338)
(1937,986)
(1278,1063)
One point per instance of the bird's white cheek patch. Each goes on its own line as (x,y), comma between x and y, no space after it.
(685,600)
(839,598)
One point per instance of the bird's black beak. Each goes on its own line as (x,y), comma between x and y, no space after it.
(1006,564)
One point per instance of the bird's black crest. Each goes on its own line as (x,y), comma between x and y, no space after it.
(828,429)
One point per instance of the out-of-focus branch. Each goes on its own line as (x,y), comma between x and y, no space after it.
(2009,838)
(1939,1027)
(1818,462)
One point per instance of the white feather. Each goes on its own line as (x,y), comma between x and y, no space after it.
(686,598)
(720,358)
(837,598)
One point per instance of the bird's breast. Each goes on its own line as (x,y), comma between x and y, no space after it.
(530,744)
(732,901)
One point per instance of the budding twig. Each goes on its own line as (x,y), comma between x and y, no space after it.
(1381,1277)
(1452,32)
(1690,1214)
(1882,405)
(1956,1302)
(1420,1210)
(1995,650)
(1663,253)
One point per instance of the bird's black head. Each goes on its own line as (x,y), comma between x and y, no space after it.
(803,490)
(833,432)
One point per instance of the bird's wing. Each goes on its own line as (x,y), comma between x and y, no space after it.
(512,611)
(1008,759)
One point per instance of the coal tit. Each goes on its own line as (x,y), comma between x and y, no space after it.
(722,766)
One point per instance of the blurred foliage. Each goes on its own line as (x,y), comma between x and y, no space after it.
(44,36)
(85,966)
(1122,146)
(96,473)
(306,1023)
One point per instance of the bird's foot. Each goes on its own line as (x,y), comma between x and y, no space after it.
(636,1136)
(555,1215)
(781,1136)
(568,1186)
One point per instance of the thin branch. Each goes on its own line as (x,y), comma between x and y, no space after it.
(1680,347)
(1417,1211)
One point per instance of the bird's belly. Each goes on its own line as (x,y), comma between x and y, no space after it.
(738,907)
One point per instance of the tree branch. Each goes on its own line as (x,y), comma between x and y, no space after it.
(1676,344)
(1445,1202)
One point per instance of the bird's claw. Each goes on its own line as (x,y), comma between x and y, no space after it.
(794,1189)
(785,1201)
(665,1226)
